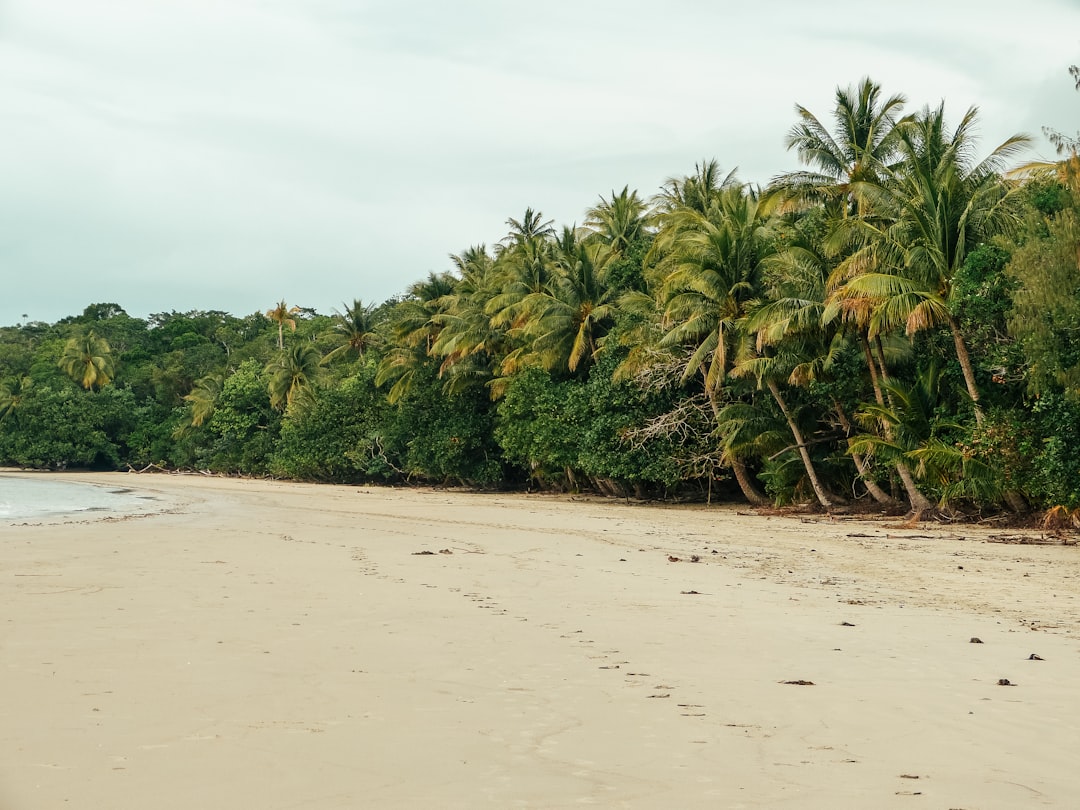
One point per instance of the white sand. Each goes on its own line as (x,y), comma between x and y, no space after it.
(270,645)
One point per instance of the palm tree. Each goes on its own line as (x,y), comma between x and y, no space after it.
(13,394)
(713,271)
(918,433)
(293,375)
(712,261)
(203,398)
(472,348)
(414,328)
(523,265)
(790,316)
(281,316)
(566,321)
(618,222)
(355,328)
(937,205)
(88,360)
(769,370)
(862,145)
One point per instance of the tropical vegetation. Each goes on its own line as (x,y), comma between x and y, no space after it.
(894,326)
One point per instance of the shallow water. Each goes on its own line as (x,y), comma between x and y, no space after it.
(29,498)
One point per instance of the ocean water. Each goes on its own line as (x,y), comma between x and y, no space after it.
(34,497)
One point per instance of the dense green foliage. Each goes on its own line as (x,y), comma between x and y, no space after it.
(897,323)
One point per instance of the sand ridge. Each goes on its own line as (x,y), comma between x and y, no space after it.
(283,646)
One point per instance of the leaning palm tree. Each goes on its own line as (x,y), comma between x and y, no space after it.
(293,375)
(281,315)
(203,398)
(769,371)
(88,360)
(790,315)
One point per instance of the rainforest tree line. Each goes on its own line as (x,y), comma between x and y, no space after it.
(897,324)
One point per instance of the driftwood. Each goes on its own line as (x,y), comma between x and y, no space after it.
(1028,540)
(146,468)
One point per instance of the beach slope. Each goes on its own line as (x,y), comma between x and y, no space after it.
(275,645)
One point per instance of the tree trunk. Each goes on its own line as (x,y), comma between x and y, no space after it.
(746,484)
(819,490)
(919,502)
(873,370)
(876,492)
(965,365)
(752,494)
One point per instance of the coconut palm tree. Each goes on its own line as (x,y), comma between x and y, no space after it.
(293,375)
(566,321)
(282,316)
(523,266)
(937,204)
(711,269)
(862,145)
(618,222)
(354,327)
(203,398)
(413,326)
(471,347)
(88,360)
(790,316)
(13,393)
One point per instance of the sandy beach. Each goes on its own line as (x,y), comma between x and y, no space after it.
(273,645)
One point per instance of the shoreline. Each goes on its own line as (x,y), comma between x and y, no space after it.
(282,645)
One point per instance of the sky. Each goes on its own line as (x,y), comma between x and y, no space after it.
(171,155)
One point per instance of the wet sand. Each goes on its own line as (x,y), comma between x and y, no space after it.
(274,645)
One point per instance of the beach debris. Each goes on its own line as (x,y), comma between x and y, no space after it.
(695,558)
(1005,682)
(975,640)
(672,558)
(658,696)
(689,593)
(1034,657)
(846,624)
(908,776)
(424,553)
(445,551)
(798,683)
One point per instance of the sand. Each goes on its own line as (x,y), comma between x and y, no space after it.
(275,645)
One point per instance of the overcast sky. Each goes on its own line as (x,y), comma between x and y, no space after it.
(224,154)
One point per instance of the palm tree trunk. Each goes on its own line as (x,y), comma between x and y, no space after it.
(746,484)
(876,492)
(965,365)
(873,370)
(919,502)
(753,495)
(822,496)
